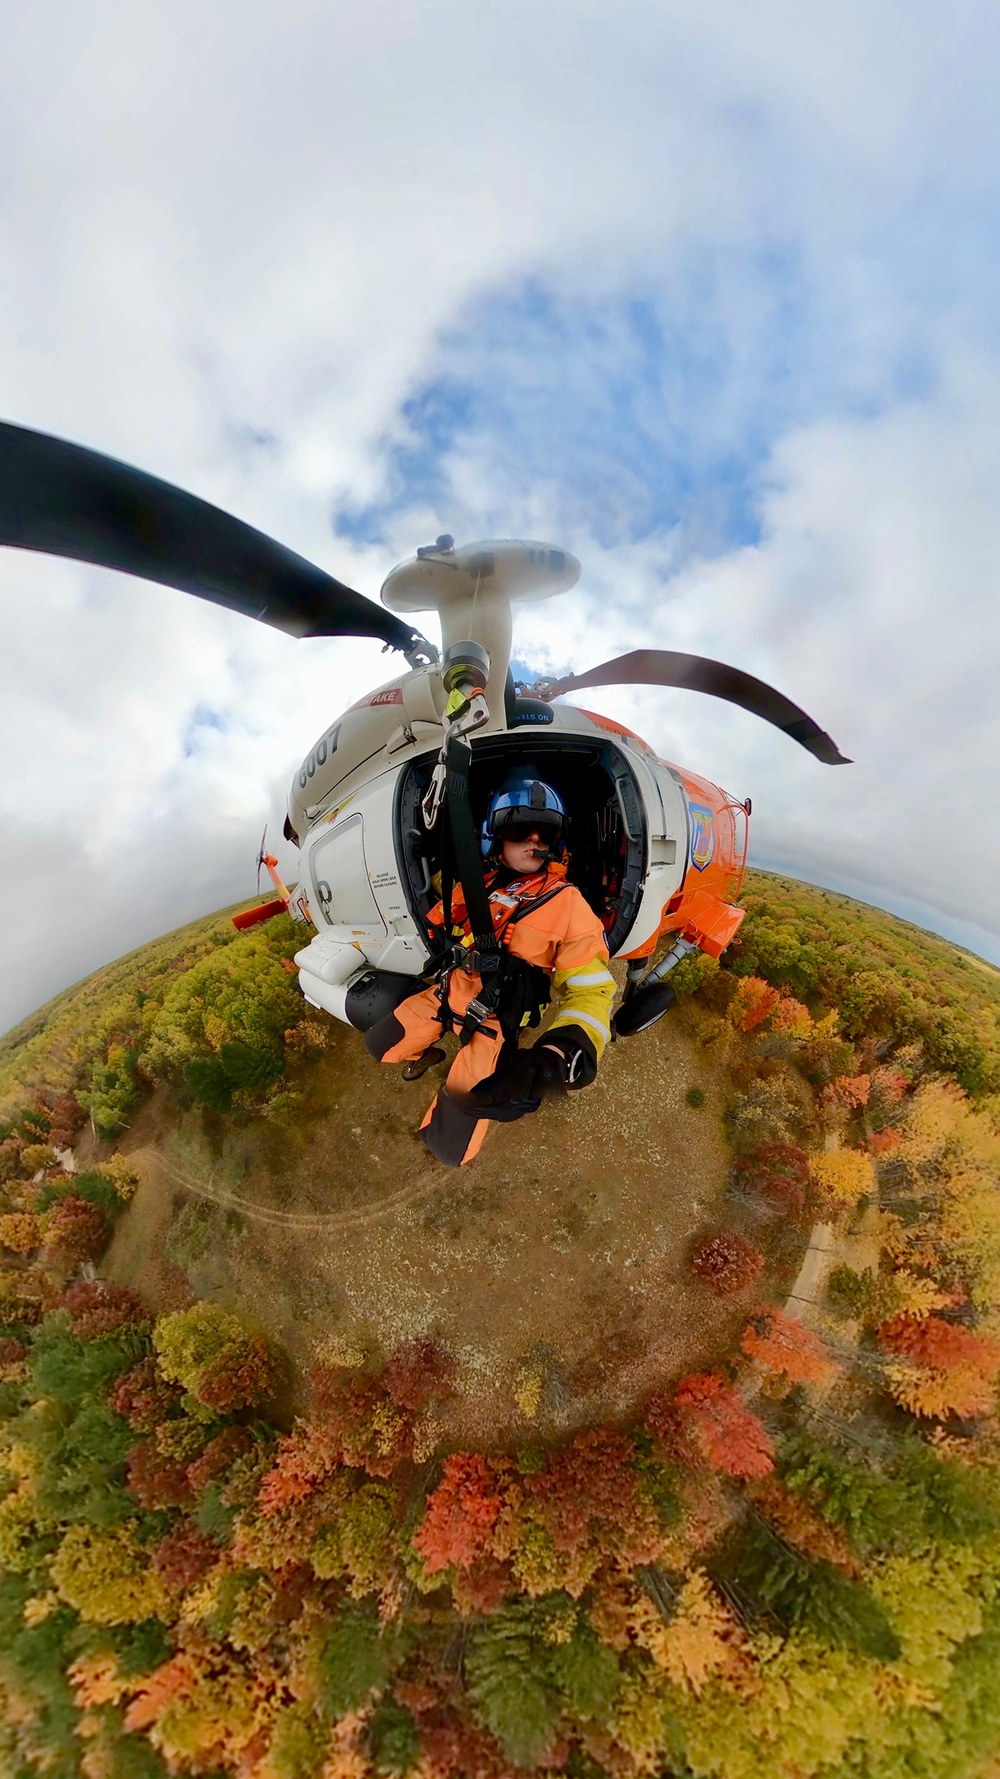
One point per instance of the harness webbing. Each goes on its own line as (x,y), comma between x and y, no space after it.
(468,857)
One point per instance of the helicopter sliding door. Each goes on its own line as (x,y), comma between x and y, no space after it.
(340,879)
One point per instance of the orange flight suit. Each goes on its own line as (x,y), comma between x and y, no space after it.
(563,937)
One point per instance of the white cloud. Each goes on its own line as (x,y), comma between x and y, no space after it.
(871,602)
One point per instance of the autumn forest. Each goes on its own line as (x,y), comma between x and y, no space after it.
(219,1557)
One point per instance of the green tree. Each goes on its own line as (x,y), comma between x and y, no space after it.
(393,1738)
(68,1370)
(868,1504)
(222,1023)
(508,1680)
(356,1660)
(810,1596)
(297,1743)
(115,1089)
(586,1673)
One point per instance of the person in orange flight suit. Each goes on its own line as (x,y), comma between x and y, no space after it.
(556,942)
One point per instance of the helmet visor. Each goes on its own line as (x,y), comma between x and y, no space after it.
(517,824)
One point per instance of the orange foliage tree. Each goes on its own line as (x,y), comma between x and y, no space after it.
(793,1017)
(97,1307)
(142,1397)
(888,1086)
(461,1514)
(156,1481)
(882,1142)
(708,1417)
(305,1458)
(183,1555)
(158,1691)
(591,1482)
(243,1375)
(940,1345)
(420,1372)
(849,1091)
(74,1230)
(785,1345)
(752,1003)
(938,1368)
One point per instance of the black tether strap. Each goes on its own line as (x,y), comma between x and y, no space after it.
(469,864)
(465,843)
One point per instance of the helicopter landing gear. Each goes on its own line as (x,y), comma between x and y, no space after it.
(646,1002)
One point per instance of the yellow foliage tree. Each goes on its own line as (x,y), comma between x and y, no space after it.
(701,1640)
(970,1229)
(640,1719)
(803,1705)
(95,1680)
(360,1541)
(933,1600)
(35,1156)
(844,1175)
(934,1394)
(107,1577)
(121,1174)
(900,1292)
(542,1569)
(528,1389)
(20,1232)
(23,1522)
(186,1341)
(934,1117)
(219,1710)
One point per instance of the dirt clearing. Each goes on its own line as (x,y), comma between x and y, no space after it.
(558,1254)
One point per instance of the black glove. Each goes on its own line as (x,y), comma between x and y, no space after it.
(557,1063)
(569,1056)
(517,1086)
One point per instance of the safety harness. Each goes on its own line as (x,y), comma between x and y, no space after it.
(512,990)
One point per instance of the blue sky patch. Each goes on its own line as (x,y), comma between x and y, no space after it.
(646,414)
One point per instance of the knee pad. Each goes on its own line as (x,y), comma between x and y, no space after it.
(381,1037)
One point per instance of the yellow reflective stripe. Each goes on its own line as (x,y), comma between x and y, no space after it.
(577,1017)
(586,995)
(594,970)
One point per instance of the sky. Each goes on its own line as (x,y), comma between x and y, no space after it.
(704,292)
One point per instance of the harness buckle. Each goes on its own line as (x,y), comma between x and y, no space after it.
(476,1018)
(463,957)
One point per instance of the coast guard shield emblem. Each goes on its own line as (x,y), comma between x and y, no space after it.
(702,835)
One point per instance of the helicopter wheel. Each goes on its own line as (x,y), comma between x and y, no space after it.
(642,1009)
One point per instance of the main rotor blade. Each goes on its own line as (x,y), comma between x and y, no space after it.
(666,667)
(67,501)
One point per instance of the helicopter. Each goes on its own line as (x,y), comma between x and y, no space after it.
(392,797)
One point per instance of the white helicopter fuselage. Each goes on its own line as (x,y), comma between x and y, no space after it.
(641,826)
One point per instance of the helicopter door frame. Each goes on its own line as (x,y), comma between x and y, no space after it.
(417,851)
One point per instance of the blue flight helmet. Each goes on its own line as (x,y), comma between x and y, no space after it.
(525,802)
